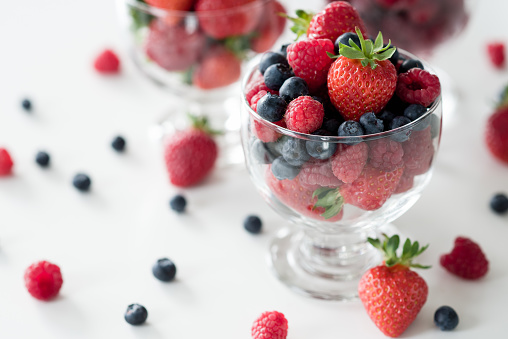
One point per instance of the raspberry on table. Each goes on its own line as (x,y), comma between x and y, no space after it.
(466,260)
(135,314)
(42,159)
(417,86)
(304,115)
(178,203)
(6,162)
(253,224)
(497,54)
(107,62)
(43,280)
(270,325)
(164,270)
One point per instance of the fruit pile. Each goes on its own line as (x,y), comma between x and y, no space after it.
(203,42)
(381,104)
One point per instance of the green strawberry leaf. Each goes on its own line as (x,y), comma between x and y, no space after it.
(140,18)
(389,248)
(201,122)
(378,44)
(330,199)
(300,23)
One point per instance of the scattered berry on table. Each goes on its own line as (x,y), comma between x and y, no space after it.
(371,124)
(271,107)
(417,86)
(386,289)
(496,131)
(276,74)
(26,104)
(118,143)
(351,129)
(304,115)
(164,270)
(446,318)
(82,182)
(178,203)
(107,62)
(348,161)
(281,169)
(409,64)
(270,325)
(466,260)
(42,159)
(497,54)
(293,88)
(136,314)
(43,280)
(344,39)
(271,58)
(6,162)
(253,224)
(499,203)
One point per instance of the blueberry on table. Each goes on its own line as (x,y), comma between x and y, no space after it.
(499,203)
(178,203)
(42,159)
(353,129)
(271,58)
(252,224)
(446,318)
(136,314)
(82,182)
(281,169)
(292,88)
(164,270)
(371,124)
(276,74)
(271,107)
(410,63)
(26,104)
(118,143)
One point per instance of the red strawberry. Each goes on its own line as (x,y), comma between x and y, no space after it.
(348,161)
(496,132)
(386,154)
(270,27)
(266,134)
(173,47)
(417,86)
(107,62)
(219,68)
(173,5)
(5,162)
(497,54)
(392,293)
(466,260)
(359,82)
(270,325)
(223,18)
(310,61)
(372,188)
(314,175)
(418,152)
(304,115)
(190,154)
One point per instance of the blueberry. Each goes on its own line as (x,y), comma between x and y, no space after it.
(371,124)
(252,224)
(164,270)
(42,158)
(397,122)
(284,50)
(82,182)
(271,107)
(396,105)
(292,88)
(435,125)
(320,149)
(394,59)
(281,169)
(26,104)
(499,203)
(351,129)
(344,39)
(295,152)
(276,74)
(118,143)
(414,112)
(387,117)
(410,63)
(271,58)
(136,314)
(446,318)
(260,153)
(332,125)
(178,203)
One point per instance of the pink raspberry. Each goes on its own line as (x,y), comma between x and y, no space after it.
(349,161)
(318,174)
(496,51)
(304,115)
(417,86)
(107,62)
(255,99)
(385,154)
(5,162)
(418,152)
(309,61)
(43,280)
(466,260)
(270,325)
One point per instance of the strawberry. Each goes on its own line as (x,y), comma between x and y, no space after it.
(107,62)
(270,28)
(392,293)
(219,68)
(466,260)
(496,131)
(172,5)
(224,18)
(418,152)
(362,79)
(190,154)
(348,161)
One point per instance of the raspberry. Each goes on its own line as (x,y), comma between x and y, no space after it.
(318,174)
(417,86)
(418,152)
(5,162)
(270,325)
(385,154)
(496,51)
(466,260)
(349,161)
(43,280)
(255,99)
(304,115)
(107,62)
(256,84)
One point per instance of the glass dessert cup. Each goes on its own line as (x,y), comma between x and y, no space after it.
(323,252)
(198,57)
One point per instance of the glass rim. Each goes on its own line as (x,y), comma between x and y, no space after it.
(344,139)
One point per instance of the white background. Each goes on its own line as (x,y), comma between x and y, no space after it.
(106,241)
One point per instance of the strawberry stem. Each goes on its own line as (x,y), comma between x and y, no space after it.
(389,247)
(300,23)
(201,122)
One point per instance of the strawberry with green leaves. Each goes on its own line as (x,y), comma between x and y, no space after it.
(392,293)
(362,79)
(496,130)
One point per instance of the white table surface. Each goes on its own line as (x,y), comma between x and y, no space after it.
(106,241)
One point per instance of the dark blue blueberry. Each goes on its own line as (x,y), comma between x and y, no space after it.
(410,63)
(26,104)
(332,125)
(82,182)
(344,39)
(351,129)
(446,318)
(371,124)
(397,122)
(136,314)
(281,169)
(295,152)
(414,112)
(271,58)
(499,203)
(435,126)
(118,143)
(271,107)
(42,158)
(387,118)
(178,203)
(320,149)
(164,270)
(394,59)
(292,88)
(396,105)
(275,75)
(284,50)
(252,224)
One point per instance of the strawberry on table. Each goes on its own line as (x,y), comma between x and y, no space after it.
(219,67)
(496,131)
(392,293)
